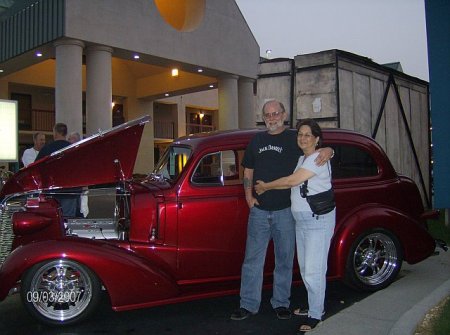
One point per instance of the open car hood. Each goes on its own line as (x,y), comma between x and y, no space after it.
(102,158)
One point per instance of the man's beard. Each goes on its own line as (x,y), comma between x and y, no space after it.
(274,126)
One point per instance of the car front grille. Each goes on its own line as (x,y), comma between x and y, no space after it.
(6,229)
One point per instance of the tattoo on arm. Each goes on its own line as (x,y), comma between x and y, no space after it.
(247,183)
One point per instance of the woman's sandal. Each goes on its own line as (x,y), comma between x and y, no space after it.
(300,311)
(303,312)
(308,325)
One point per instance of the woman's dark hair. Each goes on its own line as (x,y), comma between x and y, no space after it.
(315,129)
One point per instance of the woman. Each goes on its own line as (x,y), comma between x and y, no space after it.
(313,232)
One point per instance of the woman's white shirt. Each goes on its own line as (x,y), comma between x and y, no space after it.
(320,182)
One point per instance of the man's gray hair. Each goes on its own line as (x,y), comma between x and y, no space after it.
(271,101)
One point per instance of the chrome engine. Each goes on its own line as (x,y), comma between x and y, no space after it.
(93,228)
(107,218)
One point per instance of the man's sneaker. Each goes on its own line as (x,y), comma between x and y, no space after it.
(303,312)
(241,314)
(283,313)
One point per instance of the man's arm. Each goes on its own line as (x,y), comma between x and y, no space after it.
(248,188)
(325,154)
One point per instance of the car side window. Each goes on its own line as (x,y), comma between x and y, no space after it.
(352,162)
(219,168)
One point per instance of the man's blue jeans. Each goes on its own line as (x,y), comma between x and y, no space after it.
(263,226)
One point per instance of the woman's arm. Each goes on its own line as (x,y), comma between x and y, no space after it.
(294,179)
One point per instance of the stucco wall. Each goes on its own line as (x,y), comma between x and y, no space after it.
(222,41)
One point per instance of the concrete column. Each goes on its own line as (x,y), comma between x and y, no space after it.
(228,102)
(247,118)
(69,84)
(146,156)
(181,118)
(132,108)
(98,89)
(4,94)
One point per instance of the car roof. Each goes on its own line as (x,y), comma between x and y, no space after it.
(220,137)
(224,139)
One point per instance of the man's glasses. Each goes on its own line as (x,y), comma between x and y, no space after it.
(272,115)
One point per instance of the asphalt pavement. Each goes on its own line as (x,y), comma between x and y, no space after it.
(396,310)
(399,308)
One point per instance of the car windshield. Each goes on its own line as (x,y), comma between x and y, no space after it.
(172,163)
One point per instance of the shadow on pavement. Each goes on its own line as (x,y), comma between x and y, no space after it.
(202,317)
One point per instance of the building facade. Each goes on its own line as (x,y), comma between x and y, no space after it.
(93,64)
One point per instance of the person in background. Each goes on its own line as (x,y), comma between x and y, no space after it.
(73,137)
(82,204)
(270,155)
(59,141)
(231,171)
(68,198)
(29,155)
(313,232)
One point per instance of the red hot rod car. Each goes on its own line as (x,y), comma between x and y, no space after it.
(179,233)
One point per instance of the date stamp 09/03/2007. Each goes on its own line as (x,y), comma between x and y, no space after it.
(53,296)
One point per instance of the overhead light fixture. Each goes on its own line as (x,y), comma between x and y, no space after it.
(199,70)
(1,70)
(174,72)
(38,54)
(166,95)
(211,86)
(136,56)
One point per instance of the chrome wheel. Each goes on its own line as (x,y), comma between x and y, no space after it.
(374,261)
(60,291)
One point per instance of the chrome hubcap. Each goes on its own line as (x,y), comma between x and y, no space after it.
(375,259)
(60,290)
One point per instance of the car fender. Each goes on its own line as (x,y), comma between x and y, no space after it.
(129,278)
(417,244)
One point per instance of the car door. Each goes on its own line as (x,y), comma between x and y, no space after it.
(212,219)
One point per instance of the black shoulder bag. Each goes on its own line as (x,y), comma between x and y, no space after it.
(320,203)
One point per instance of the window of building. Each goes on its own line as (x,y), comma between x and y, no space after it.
(199,120)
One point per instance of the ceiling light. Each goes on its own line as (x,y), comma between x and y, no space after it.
(175,72)
(136,57)
(38,54)
(1,71)
(199,70)
(211,86)
(166,95)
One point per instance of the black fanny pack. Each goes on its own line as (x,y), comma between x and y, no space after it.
(320,203)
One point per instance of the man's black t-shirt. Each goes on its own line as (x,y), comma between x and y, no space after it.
(51,147)
(272,157)
(69,202)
